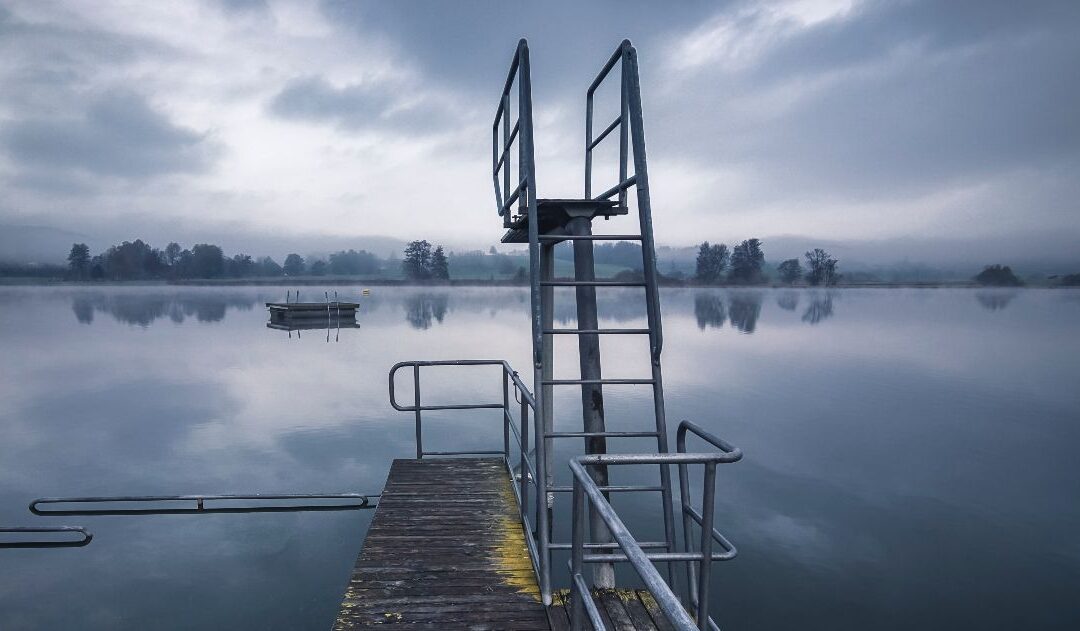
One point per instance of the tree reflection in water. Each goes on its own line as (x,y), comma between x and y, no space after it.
(995,300)
(820,308)
(422,308)
(744,310)
(709,310)
(143,310)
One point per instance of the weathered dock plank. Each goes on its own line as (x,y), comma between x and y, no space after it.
(445,550)
(621,610)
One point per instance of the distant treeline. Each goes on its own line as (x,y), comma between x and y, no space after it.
(744,264)
(138,260)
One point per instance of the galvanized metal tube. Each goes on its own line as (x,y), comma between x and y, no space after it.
(416,403)
(670,605)
(707,503)
(577,552)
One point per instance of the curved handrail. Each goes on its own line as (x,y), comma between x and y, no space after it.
(75,543)
(731,453)
(518,383)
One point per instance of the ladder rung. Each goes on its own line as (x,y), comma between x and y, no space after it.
(590,237)
(596,331)
(596,382)
(592,283)
(609,489)
(601,434)
(605,546)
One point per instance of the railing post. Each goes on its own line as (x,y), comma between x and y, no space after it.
(524,482)
(542,510)
(577,555)
(705,569)
(684,503)
(506,415)
(416,405)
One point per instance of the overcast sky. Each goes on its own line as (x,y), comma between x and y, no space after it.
(829,119)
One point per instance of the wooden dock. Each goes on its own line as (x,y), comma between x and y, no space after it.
(281,312)
(445,550)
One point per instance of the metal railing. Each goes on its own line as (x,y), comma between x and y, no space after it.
(505,135)
(19,542)
(698,563)
(252,503)
(530,470)
(631,126)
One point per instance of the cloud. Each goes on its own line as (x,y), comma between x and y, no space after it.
(831,119)
(364,106)
(118,134)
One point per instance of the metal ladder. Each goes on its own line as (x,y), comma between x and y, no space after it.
(543,223)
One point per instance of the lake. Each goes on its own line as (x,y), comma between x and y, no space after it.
(910,454)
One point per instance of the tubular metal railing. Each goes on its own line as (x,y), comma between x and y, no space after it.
(530,470)
(698,563)
(19,542)
(263,503)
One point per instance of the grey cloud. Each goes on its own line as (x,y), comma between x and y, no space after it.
(118,134)
(362,106)
(918,96)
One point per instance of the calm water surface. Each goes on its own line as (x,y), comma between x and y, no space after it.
(911,455)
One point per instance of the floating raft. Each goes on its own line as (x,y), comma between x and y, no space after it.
(445,550)
(281,312)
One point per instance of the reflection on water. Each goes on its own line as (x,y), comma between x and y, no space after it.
(995,300)
(709,310)
(423,308)
(143,309)
(744,310)
(820,308)
(883,460)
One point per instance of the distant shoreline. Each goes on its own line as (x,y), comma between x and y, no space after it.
(391,282)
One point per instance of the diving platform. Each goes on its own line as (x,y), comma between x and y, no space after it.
(476,539)
(554,214)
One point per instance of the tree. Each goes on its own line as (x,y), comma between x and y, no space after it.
(417,262)
(790,271)
(318,268)
(207,261)
(997,275)
(241,266)
(822,268)
(79,259)
(440,267)
(747,259)
(172,253)
(711,261)
(294,265)
(268,267)
(353,262)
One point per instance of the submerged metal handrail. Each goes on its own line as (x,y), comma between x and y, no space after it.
(632,550)
(527,468)
(72,543)
(357,501)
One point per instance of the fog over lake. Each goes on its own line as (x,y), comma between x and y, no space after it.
(909,453)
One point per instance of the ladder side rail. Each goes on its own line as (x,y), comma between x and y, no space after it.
(527,166)
(632,91)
